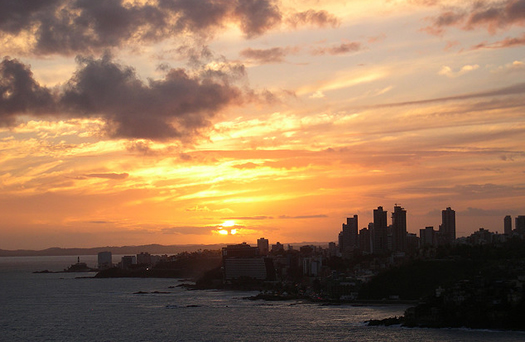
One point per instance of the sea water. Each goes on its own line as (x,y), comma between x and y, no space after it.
(63,307)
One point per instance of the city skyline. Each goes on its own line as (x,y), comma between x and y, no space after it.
(173,122)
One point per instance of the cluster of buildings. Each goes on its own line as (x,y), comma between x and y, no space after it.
(243,261)
(519,228)
(105,260)
(384,241)
(366,251)
(381,238)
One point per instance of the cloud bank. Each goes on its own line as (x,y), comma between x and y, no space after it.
(90,26)
(493,15)
(178,106)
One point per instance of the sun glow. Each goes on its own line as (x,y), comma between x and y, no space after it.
(226,228)
(229,223)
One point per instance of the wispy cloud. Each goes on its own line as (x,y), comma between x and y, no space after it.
(505,43)
(267,56)
(341,49)
(302,217)
(115,176)
(511,90)
(257,218)
(312,17)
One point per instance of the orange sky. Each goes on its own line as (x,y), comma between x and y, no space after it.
(157,121)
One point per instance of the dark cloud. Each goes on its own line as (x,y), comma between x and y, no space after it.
(20,93)
(265,56)
(176,107)
(338,50)
(257,16)
(108,175)
(89,26)
(490,14)
(254,17)
(312,17)
(18,15)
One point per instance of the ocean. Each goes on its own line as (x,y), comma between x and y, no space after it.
(63,307)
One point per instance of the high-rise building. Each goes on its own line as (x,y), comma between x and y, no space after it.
(348,238)
(105,260)
(427,237)
(520,225)
(263,246)
(379,235)
(399,229)
(332,249)
(365,240)
(447,230)
(507,225)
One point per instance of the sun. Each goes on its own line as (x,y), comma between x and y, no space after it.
(226,228)
(229,223)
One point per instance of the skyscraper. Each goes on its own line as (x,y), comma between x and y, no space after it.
(379,235)
(520,225)
(447,229)
(399,229)
(507,225)
(263,246)
(348,236)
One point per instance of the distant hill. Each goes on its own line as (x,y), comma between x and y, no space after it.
(152,249)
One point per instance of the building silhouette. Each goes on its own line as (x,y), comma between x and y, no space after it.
(507,225)
(379,235)
(348,237)
(399,229)
(263,246)
(427,237)
(243,261)
(365,240)
(447,229)
(105,260)
(520,225)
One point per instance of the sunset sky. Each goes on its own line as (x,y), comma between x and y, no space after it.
(167,121)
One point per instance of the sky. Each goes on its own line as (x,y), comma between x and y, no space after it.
(222,121)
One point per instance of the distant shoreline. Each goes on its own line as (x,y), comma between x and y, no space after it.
(120,250)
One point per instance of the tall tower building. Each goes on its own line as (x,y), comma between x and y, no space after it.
(263,246)
(399,229)
(379,233)
(105,260)
(447,230)
(507,225)
(348,237)
(520,225)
